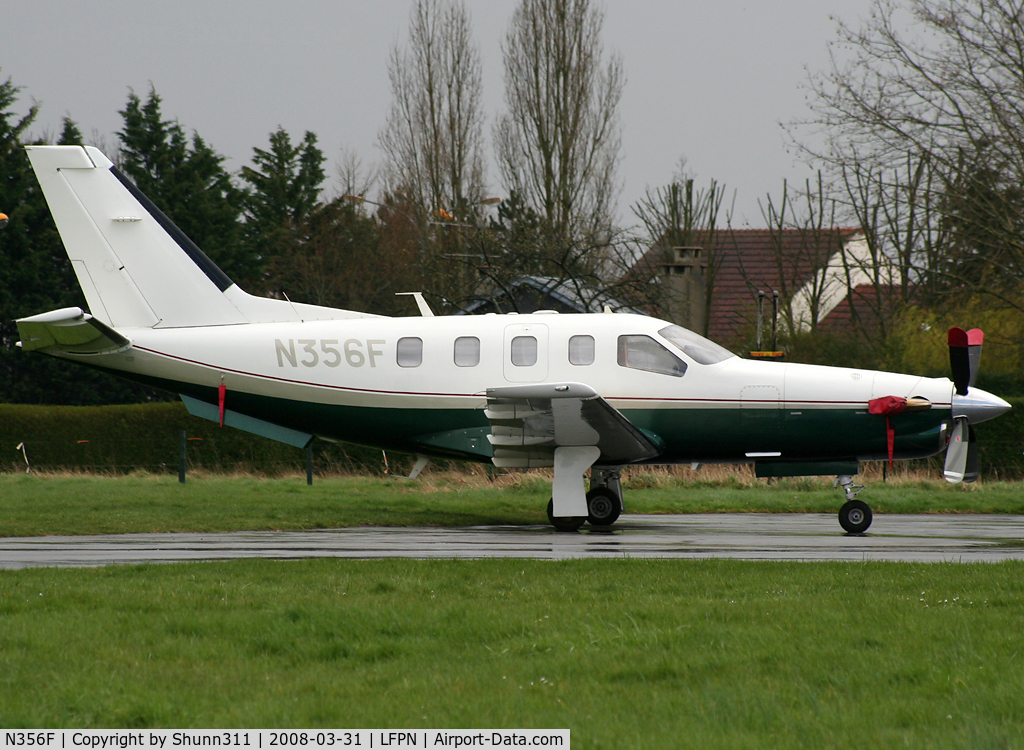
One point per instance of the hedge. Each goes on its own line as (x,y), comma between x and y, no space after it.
(136,437)
(146,437)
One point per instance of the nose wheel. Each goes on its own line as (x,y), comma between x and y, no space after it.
(855,515)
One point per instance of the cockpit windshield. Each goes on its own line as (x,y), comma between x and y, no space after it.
(696,347)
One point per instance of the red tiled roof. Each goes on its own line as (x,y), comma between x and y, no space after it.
(744,261)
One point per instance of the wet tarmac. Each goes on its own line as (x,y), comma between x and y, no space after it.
(746,536)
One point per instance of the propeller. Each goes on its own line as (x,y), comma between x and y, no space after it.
(969,406)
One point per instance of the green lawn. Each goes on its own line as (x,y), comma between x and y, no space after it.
(625,653)
(87,504)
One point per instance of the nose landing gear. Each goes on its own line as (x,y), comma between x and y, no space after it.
(855,515)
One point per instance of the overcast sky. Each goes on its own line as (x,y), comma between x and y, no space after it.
(711,80)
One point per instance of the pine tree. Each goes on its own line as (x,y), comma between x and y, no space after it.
(36,276)
(187,181)
(284,190)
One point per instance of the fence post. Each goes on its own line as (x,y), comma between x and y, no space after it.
(309,463)
(181,456)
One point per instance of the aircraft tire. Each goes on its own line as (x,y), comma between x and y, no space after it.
(564,523)
(855,516)
(603,507)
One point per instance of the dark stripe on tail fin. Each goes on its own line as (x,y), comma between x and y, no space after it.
(201,259)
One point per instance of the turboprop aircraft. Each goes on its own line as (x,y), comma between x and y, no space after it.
(572,392)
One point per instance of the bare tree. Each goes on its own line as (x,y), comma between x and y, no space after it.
(352,177)
(681,225)
(433,139)
(935,85)
(558,144)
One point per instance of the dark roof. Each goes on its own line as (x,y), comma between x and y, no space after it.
(528,294)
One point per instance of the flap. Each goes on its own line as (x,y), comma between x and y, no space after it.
(529,421)
(69,331)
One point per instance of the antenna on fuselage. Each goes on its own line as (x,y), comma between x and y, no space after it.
(421,303)
(774,352)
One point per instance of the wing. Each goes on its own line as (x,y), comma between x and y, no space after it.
(69,331)
(529,421)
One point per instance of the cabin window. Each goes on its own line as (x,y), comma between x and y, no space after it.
(467,351)
(644,353)
(524,351)
(581,350)
(695,346)
(410,352)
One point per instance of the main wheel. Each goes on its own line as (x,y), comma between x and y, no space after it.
(603,507)
(564,523)
(855,516)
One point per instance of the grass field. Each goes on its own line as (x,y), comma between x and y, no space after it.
(33,504)
(625,653)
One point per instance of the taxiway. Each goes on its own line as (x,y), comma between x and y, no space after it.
(748,536)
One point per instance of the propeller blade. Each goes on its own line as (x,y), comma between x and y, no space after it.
(959,359)
(956,452)
(971,470)
(975,338)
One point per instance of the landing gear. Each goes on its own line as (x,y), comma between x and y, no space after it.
(855,515)
(603,507)
(604,501)
(564,523)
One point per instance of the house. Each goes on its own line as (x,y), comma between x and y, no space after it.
(712,284)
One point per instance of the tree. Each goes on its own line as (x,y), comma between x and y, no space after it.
(943,98)
(187,181)
(681,226)
(433,139)
(284,191)
(36,276)
(558,144)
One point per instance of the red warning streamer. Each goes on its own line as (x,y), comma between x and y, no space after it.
(888,406)
(222,392)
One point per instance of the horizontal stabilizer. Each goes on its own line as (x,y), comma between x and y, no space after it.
(244,422)
(70,331)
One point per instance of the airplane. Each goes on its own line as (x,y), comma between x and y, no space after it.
(575,392)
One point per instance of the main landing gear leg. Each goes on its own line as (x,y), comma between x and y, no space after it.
(855,515)
(567,510)
(604,501)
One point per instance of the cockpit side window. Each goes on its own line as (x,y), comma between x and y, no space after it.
(644,353)
(701,350)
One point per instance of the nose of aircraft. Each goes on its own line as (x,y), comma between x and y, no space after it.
(978,406)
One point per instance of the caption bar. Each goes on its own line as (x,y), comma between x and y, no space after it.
(258,739)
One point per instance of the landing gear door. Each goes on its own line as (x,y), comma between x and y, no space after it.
(525,353)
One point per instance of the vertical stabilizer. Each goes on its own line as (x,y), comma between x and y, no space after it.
(136,268)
